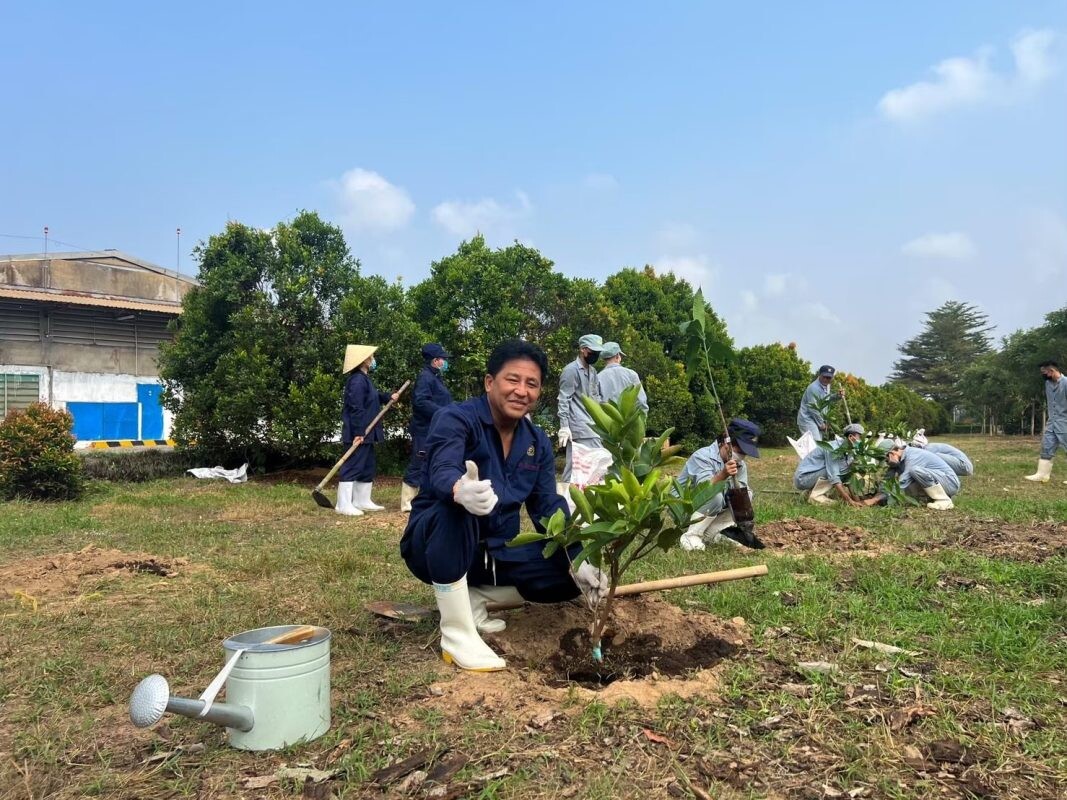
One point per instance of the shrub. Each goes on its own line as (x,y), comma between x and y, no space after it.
(37,458)
(136,466)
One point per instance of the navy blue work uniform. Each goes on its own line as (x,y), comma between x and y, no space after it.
(443,541)
(361,405)
(430,395)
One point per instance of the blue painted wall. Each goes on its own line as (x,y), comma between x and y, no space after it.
(96,421)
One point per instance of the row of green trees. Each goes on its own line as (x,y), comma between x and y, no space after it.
(953,361)
(253,372)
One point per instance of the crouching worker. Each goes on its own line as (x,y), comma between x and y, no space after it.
(953,456)
(484,461)
(717,463)
(922,474)
(819,472)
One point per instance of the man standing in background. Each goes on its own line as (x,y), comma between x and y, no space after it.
(614,377)
(578,379)
(808,417)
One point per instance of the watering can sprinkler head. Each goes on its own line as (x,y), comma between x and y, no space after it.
(151,699)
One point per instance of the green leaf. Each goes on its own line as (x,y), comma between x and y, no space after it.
(527,538)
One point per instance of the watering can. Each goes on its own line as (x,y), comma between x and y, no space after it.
(277,689)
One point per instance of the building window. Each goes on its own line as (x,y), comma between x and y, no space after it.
(19,391)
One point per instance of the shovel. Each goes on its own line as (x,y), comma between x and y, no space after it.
(316,493)
(410,611)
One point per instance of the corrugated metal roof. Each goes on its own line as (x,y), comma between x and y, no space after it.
(89,300)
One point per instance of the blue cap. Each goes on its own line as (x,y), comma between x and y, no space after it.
(434,350)
(827,371)
(744,433)
(611,349)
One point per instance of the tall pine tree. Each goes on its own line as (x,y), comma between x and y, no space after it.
(932,363)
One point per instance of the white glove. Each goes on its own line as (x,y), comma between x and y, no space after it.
(564,436)
(474,495)
(593,582)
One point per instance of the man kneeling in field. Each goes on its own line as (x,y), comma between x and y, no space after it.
(719,462)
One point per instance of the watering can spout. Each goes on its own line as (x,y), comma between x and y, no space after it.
(152,699)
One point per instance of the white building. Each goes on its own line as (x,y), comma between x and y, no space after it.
(81,331)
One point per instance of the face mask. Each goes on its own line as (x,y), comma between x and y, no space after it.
(373,366)
(1048,377)
(444,366)
(592,358)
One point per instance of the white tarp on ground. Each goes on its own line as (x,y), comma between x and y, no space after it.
(238,475)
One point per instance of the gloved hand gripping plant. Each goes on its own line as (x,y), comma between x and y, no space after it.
(636,510)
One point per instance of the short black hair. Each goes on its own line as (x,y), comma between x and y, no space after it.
(1052,364)
(513,349)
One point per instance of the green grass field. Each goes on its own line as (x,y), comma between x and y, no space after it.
(978,594)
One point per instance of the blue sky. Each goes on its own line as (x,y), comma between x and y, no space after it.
(826,171)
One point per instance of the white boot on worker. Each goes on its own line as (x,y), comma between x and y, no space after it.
(361,498)
(707,529)
(344,500)
(1044,471)
(460,643)
(939,500)
(481,596)
(820,493)
(407,494)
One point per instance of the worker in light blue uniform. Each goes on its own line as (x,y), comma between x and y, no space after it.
(576,379)
(808,418)
(430,395)
(717,463)
(821,471)
(953,456)
(614,377)
(484,461)
(1055,435)
(361,404)
(922,474)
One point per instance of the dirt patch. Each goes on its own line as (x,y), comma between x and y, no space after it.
(806,533)
(656,649)
(1033,542)
(34,580)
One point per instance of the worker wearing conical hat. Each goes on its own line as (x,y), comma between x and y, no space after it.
(362,402)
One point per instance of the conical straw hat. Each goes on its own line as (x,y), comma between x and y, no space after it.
(356,354)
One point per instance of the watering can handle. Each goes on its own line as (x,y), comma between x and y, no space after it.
(298,634)
(293,636)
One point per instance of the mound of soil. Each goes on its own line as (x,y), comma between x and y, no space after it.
(1033,542)
(655,649)
(61,574)
(805,533)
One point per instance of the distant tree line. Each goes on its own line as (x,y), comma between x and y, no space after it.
(254,369)
(953,362)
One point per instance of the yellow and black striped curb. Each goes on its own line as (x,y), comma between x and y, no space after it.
(134,443)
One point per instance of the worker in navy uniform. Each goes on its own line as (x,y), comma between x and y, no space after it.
(485,460)
(430,394)
(362,402)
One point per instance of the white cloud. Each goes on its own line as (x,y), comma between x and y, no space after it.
(486,216)
(368,202)
(1046,245)
(676,236)
(1033,58)
(696,269)
(775,284)
(968,81)
(955,245)
(749,301)
(600,182)
(820,312)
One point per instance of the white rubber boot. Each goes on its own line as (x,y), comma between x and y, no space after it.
(344,500)
(820,493)
(361,498)
(481,596)
(407,494)
(723,520)
(460,643)
(1044,471)
(939,501)
(693,538)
